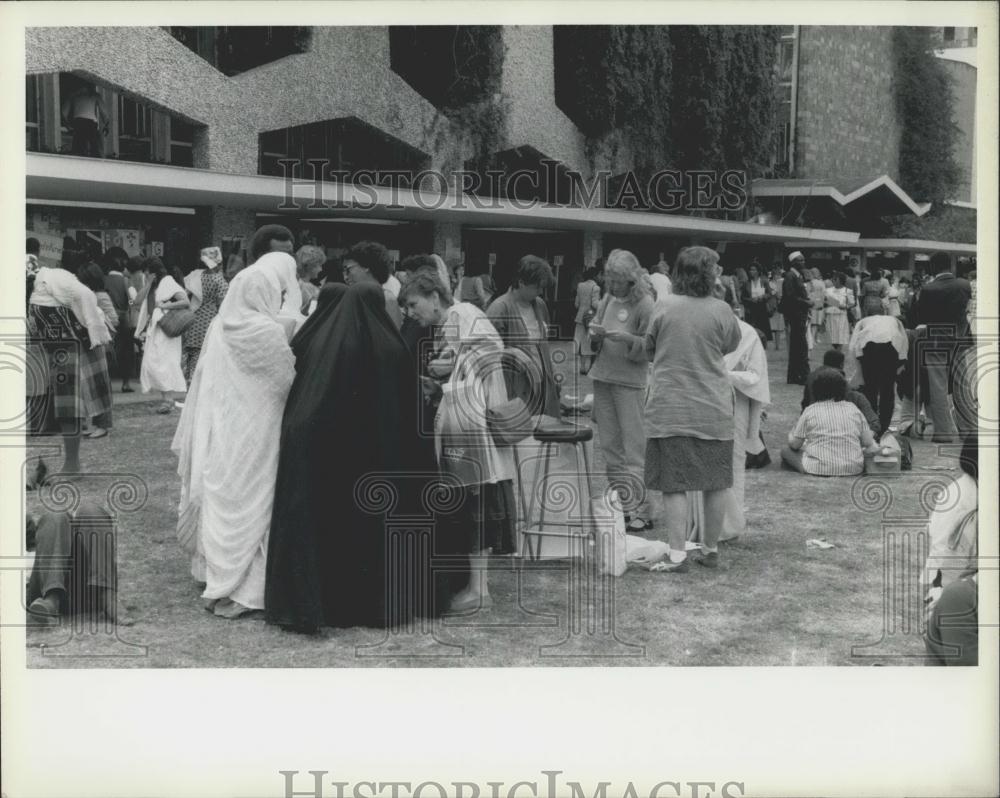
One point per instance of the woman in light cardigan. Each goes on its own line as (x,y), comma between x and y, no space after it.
(620,372)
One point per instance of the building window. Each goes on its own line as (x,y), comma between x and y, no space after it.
(236,49)
(948,35)
(787,79)
(181,142)
(450,66)
(134,125)
(346,145)
(31,130)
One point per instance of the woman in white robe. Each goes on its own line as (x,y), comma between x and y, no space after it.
(747,366)
(161,356)
(228,436)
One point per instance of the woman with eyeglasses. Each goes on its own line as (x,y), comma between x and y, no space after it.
(619,373)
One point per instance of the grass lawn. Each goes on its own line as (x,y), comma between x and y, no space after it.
(773,601)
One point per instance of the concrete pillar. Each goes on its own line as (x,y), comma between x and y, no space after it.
(448,241)
(218,225)
(593,247)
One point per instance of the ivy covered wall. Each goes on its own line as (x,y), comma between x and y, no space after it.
(685,97)
(925,103)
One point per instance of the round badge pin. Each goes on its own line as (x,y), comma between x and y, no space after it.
(623,315)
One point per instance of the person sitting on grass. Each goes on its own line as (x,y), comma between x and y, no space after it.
(831,437)
(74,570)
(834,358)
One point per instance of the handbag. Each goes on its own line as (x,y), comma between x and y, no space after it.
(175,321)
(462,437)
(510,423)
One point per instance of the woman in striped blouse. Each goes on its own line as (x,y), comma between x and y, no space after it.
(831,437)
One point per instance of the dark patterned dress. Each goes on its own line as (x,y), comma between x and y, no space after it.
(213,291)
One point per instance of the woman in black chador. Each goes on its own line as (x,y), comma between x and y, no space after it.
(351,461)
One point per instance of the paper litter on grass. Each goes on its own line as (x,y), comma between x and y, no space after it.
(818,543)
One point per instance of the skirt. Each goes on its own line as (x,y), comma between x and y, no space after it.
(678,464)
(837,328)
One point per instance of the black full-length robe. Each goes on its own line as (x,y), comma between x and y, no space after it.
(352,465)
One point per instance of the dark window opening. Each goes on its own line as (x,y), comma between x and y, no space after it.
(523,174)
(346,145)
(31,129)
(449,65)
(236,49)
(134,130)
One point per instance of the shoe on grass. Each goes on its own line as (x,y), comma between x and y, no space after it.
(45,609)
(708,560)
(666,566)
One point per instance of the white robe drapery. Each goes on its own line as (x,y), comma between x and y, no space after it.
(228,436)
(747,365)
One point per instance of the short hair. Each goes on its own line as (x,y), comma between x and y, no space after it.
(134,264)
(414,263)
(114,259)
(839,278)
(941,262)
(91,275)
(904,279)
(425,283)
(533,270)
(829,383)
(260,244)
(32,246)
(623,263)
(372,256)
(694,271)
(968,458)
(309,256)
(834,358)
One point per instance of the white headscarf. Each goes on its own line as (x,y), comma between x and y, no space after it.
(228,435)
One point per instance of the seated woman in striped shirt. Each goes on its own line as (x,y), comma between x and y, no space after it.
(831,437)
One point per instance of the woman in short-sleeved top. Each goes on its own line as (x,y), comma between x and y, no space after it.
(689,410)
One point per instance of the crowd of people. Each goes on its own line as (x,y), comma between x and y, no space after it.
(282,362)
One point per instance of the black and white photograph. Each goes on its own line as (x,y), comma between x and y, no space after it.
(652,350)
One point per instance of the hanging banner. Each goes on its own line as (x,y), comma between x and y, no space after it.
(126,239)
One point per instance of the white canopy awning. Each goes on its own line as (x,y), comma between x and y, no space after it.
(891,245)
(69,178)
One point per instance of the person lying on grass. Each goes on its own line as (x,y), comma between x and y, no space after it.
(831,437)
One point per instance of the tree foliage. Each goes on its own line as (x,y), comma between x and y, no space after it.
(928,170)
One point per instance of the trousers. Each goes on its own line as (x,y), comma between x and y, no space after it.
(618,413)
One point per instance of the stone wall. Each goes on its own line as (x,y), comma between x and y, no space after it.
(846,124)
